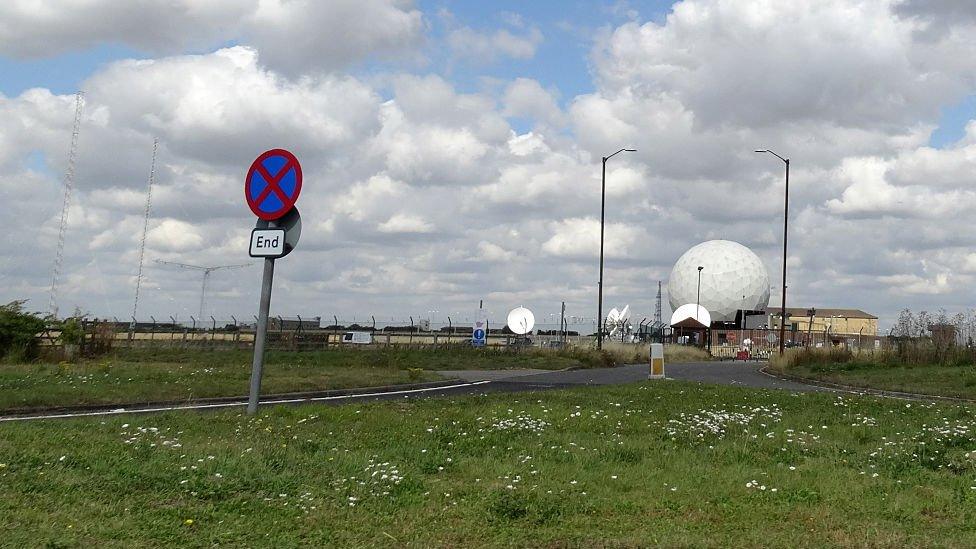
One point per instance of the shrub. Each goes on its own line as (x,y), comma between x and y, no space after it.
(101,340)
(18,332)
(71,332)
(639,353)
(903,352)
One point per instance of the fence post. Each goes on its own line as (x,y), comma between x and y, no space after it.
(132,329)
(84,330)
(237,330)
(152,332)
(297,333)
(410,338)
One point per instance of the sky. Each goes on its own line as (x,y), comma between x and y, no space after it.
(451,151)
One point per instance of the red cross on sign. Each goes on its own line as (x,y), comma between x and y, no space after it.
(273,184)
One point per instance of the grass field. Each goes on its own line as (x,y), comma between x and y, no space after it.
(865,371)
(142,375)
(664,463)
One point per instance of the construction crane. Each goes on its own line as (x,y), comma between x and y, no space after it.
(206,275)
(69,181)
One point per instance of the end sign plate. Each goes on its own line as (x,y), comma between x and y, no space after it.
(267,243)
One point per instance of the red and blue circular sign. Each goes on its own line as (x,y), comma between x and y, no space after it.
(273,184)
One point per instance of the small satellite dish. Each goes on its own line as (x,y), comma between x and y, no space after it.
(521,320)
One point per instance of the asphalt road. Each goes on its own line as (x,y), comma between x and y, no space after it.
(490,381)
(745,374)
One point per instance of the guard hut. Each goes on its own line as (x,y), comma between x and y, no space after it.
(690,325)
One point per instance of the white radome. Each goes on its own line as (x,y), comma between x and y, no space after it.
(690,310)
(733,279)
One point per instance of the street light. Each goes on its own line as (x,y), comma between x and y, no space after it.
(698,295)
(603,204)
(786,215)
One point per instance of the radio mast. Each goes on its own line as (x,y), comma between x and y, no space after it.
(657,304)
(145,229)
(69,181)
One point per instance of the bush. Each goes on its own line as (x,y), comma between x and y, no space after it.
(639,353)
(903,352)
(71,332)
(588,358)
(18,332)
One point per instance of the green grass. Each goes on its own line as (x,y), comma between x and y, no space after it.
(664,463)
(144,375)
(881,371)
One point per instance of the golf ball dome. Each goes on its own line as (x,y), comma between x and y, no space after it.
(733,278)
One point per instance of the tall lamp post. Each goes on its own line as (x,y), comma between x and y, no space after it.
(698,295)
(603,204)
(786,216)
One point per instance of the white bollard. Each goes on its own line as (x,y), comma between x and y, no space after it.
(657,361)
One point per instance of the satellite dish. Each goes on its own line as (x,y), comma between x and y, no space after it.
(521,320)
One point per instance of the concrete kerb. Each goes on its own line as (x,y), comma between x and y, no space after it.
(863,390)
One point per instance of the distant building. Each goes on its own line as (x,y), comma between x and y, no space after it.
(943,334)
(836,321)
(276,323)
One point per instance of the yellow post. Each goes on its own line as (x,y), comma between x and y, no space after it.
(657,361)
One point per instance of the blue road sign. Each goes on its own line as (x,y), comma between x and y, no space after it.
(273,184)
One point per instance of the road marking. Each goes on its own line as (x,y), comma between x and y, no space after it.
(242,402)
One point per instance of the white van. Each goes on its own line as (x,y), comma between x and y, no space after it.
(357,338)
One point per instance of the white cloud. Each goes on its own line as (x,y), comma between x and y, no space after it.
(38,28)
(405,223)
(487,47)
(580,238)
(293,36)
(173,235)
(846,62)
(526,98)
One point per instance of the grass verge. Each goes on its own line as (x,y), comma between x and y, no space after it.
(146,375)
(879,371)
(670,464)
(633,353)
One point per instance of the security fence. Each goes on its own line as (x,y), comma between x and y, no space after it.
(310,333)
(296,333)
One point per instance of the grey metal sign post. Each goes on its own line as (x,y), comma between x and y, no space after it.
(271,188)
(259,336)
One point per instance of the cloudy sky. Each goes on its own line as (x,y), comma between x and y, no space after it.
(451,150)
